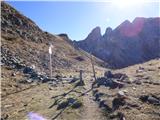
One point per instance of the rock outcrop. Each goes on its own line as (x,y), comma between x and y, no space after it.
(91,40)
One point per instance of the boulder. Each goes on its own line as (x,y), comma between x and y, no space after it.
(62,105)
(28,70)
(117,102)
(152,99)
(98,95)
(103,104)
(108,74)
(144,98)
(71,100)
(118,76)
(108,82)
(121,94)
(77,104)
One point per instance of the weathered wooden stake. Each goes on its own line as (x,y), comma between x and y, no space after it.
(81,78)
(94,73)
(80,75)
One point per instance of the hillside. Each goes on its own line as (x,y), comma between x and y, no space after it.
(22,39)
(128,44)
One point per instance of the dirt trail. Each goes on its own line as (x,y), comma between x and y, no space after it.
(91,109)
(92,112)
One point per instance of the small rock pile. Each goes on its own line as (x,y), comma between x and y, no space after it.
(111,80)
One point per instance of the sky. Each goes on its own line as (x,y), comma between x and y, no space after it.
(78,18)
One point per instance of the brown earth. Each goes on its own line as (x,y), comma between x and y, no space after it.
(39,98)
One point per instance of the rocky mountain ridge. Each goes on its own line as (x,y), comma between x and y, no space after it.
(130,43)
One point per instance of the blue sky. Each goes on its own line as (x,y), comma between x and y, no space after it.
(77,19)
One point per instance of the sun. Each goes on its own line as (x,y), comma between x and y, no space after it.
(126,3)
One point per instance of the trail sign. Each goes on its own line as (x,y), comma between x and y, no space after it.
(50,49)
(50,59)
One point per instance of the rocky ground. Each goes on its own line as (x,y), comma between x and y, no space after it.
(137,96)
(52,99)
(132,93)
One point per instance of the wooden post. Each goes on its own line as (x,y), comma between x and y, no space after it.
(94,73)
(81,82)
(80,75)
(50,60)
(50,56)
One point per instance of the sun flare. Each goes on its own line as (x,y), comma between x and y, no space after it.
(126,3)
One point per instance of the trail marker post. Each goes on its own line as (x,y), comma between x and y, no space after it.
(50,60)
(92,63)
(81,83)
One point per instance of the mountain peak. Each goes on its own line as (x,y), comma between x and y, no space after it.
(108,30)
(96,30)
(139,19)
(129,29)
(95,34)
(125,24)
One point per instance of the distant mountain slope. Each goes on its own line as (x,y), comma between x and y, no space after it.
(128,44)
(23,41)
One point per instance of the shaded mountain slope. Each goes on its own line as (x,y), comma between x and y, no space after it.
(128,44)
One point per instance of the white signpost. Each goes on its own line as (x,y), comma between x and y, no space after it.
(50,60)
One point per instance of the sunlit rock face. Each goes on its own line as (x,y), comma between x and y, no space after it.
(130,43)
